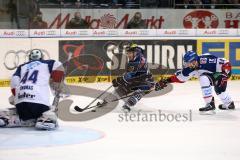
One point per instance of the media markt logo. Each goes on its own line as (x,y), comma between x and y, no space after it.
(200,19)
(108,21)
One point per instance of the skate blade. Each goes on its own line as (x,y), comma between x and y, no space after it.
(212,112)
(94,110)
(126,111)
(227,109)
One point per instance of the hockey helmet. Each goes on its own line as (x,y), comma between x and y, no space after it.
(131,47)
(190,56)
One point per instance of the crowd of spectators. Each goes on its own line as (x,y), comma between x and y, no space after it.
(16,14)
(208,4)
(136,22)
(37,22)
(110,3)
(142,3)
(12,11)
(77,22)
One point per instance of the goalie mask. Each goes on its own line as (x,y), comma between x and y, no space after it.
(35,54)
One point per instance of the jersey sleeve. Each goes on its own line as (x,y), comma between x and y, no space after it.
(57,66)
(15,80)
(182,76)
(57,73)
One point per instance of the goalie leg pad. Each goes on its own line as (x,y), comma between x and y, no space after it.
(10,121)
(48,121)
(9,118)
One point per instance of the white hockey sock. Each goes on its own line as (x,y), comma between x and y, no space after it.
(206,88)
(137,95)
(207,93)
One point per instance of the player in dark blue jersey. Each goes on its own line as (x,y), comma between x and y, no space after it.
(211,71)
(137,80)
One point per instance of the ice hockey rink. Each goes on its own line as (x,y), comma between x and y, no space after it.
(109,137)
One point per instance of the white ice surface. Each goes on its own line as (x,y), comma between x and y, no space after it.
(209,137)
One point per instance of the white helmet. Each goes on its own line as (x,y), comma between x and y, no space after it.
(35,54)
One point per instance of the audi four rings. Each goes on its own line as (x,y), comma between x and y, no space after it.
(13,59)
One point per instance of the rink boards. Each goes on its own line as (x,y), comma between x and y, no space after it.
(100,59)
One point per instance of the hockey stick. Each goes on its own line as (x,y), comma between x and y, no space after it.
(78,109)
(102,104)
(57,94)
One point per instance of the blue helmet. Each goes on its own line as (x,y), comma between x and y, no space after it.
(190,56)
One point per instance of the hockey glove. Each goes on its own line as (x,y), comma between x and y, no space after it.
(227,69)
(115,83)
(119,82)
(220,79)
(11,100)
(161,84)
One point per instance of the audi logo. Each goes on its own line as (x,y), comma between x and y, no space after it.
(20,33)
(51,32)
(13,59)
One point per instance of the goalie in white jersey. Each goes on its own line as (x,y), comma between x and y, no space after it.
(211,71)
(30,86)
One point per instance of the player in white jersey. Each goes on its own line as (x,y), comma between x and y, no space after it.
(30,86)
(211,71)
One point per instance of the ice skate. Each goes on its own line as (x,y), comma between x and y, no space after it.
(230,106)
(208,109)
(126,108)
